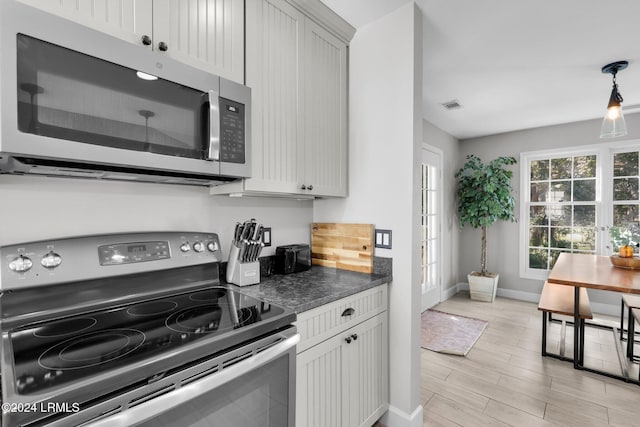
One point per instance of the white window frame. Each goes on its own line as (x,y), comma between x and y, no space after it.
(604,197)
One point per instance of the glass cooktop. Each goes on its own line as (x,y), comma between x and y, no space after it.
(48,354)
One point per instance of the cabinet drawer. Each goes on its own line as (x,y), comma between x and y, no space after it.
(319,324)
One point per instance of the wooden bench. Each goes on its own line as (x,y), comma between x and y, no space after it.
(559,299)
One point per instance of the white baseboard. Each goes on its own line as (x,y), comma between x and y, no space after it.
(397,418)
(448,293)
(596,307)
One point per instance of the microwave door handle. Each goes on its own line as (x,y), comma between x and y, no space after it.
(213,151)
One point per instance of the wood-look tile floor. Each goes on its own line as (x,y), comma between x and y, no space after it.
(504,380)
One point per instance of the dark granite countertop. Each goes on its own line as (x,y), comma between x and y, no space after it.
(313,288)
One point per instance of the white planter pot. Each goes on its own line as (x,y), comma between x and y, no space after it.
(483,288)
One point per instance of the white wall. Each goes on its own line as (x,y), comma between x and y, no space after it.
(450,148)
(37,208)
(502,247)
(385,139)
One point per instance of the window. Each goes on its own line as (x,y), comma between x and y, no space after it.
(626,201)
(570,198)
(562,208)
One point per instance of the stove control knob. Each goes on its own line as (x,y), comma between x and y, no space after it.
(185,247)
(198,247)
(212,246)
(51,260)
(21,264)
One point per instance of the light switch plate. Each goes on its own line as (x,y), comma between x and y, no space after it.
(383,239)
(266,236)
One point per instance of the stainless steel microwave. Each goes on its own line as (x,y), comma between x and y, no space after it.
(77,102)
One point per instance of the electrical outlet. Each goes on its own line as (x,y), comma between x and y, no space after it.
(383,239)
(266,236)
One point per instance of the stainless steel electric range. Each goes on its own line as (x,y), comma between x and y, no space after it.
(131,329)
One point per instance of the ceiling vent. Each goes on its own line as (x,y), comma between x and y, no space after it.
(454,104)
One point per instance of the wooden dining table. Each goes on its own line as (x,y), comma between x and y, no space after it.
(592,272)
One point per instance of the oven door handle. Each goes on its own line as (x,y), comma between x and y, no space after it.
(213,151)
(190,391)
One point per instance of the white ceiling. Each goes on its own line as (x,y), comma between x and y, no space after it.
(518,64)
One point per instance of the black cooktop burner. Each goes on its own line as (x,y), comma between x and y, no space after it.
(199,319)
(65,327)
(91,349)
(56,353)
(152,307)
(209,295)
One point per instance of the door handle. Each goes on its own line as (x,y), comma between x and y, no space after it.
(213,152)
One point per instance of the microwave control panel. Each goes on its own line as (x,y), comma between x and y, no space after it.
(232,135)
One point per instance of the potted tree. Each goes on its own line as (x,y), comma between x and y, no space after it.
(484,196)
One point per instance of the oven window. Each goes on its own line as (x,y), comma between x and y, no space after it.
(259,398)
(72,96)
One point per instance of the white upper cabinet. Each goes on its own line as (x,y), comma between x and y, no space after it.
(129,20)
(297,71)
(207,34)
(274,55)
(325,113)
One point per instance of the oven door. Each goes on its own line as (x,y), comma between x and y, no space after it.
(253,386)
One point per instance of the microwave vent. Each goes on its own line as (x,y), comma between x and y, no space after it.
(68,169)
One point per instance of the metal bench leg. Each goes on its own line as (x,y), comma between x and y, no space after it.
(631,333)
(544,333)
(581,355)
(621,319)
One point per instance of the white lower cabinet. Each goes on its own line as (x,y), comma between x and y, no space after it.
(343,380)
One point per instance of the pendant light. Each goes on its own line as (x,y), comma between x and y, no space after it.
(613,124)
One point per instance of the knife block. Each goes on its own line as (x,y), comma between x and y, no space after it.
(242,273)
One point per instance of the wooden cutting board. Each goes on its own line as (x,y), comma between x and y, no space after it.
(344,246)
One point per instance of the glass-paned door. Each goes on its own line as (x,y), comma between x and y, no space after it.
(430,233)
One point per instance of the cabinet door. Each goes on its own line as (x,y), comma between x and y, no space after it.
(325,100)
(344,381)
(207,34)
(320,384)
(125,19)
(367,368)
(274,52)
